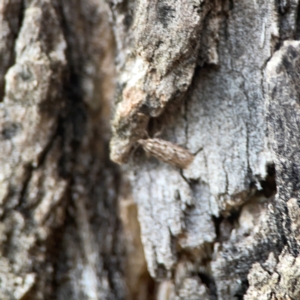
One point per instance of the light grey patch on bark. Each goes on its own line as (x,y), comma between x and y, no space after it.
(169,216)
(199,226)
(225,109)
(192,289)
(160,217)
(294,214)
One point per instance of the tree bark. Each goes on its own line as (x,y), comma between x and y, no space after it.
(60,233)
(219,78)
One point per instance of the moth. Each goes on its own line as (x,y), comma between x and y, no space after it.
(167,152)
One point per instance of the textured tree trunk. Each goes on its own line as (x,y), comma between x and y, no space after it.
(60,233)
(219,78)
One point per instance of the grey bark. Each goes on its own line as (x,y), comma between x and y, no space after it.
(216,77)
(215,230)
(60,232)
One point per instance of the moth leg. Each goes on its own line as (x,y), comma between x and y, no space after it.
(157,134)
(135,147)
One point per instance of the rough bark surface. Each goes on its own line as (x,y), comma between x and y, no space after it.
(208,230)
(281,279)
(218,78)
(60,232)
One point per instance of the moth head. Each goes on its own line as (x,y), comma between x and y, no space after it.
(141,142)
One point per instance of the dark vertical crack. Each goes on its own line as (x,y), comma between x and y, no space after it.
(243,287)
(185,116)
(288,26)
(297,30)
(250,176)
(210,283)
(268,184)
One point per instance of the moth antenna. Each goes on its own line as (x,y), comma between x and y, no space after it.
(135,147)
(147,134)
(157,134)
